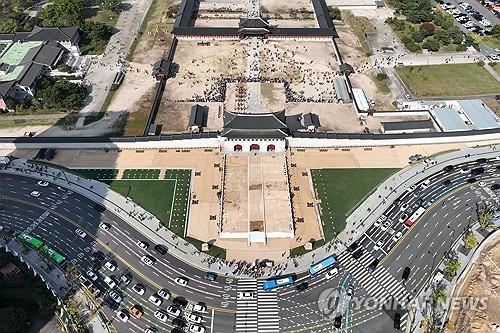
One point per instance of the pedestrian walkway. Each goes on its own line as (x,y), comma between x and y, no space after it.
(269,320)
(247,309)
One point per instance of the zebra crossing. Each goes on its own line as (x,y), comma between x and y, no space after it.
(380,284)
(259,314)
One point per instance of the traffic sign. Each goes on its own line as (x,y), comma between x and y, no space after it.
(57,176)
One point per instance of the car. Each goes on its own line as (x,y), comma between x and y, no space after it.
(179,322)
(464,170)
(200,307)
(155,299)
(111,304)
(373,265)
(177,330)
(246,295)
(142,245)
(350,290)
(92,275)
(126,278)
(302,286)
(397,202)
(151,330)
(80,233)
(161,249)
(408,96)
(404,206)
(495,186)
(98,256)
(115,296)
(430,161)
(358,254)
(148,260)
(193,317)
(381,219)
(471,180)
(481,183)
(174,311)
(210,276)
(397,236)
(397,321)
(377,246)
(386,225)
(104,226)
(415,158)
(42,183)
(417,192)
(481,160)
(99,208)
(139,288)
(425,184)
(196,328)
(123,315)
(110,281)
(35,194)
(354,245)
(430,202)
(164,293)
(403,218)
(337,322)
(447,182)
(412,188)
(180,302)
(406,273)
(161,315)
(417,203)
(181,281)
(110,266)
(332,272)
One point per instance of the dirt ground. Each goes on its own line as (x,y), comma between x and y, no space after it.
(482,280)
(281,7)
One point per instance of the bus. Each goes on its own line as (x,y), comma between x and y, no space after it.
(30,240)
(414,217)
(328,262)
(277,283)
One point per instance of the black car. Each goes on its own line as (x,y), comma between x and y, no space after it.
(447,182)
(481,160)
(303,286)
(397,321)
(471,180)
(337,321)
(495,186)
(397,202)
(161,249)
(179,322)
(111,304)
(477,171)
(98,256)
(373,265)
(358,254)
(99,208)
(176,330)
(353,246)
(180,302)
(406,273)
(448,168)
(210,276)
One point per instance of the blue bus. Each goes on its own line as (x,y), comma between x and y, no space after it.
(328,262)
(276,283)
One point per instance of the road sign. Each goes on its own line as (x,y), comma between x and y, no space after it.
(57,176)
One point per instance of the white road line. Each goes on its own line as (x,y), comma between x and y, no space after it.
(212,323)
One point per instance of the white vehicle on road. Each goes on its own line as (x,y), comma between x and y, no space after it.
(192,317)
(92,275)
(377,246)
(142,245)
(109,265)
(35,194)
(397,236)
(139,288)
(42,183)
(181,281)
(110,282)
(104,226)
(331,273)
(155,299)
(148,260)
(161,315)
(80,233)
(123,315)
(164,293)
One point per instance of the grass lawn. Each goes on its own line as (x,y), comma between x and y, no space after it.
(97,174)
(103,16)
(449,80)
(360,25)
(495,66)
(141,174)
(5,122)
(491,42)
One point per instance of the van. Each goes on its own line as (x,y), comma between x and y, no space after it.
(406,273)
(477,171)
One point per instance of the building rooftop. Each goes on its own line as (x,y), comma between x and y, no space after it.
(254,125)
(407,125)
(449,120)
(17,51)
(479,114)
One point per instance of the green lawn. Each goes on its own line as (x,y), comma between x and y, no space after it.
(491,42)
(449,80)
(360,25)
(97,174)
(141,174)
(103,16)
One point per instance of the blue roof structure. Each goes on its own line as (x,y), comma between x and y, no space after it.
(449,120)
(479,114)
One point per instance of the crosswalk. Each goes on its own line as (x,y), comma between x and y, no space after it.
(380,284)
(259,314)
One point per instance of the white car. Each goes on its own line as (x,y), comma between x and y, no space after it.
(139,288)
(148,260)
(92,275)
(377,246)
(196,328)
(164,293)
(142,245)
(246,295)
(115,297)
(397,236)
(42,183)
(110,282)
(155,299)
(201,308)
(109,265)
(332,272)
(464,170)
(412,188)
(481,183)
(192,317)
(161,315)
(80,233)
(123,315)
(104,226)
(425,184)
(404,206)
(172,310)
(35,194)
(181,281)
(380,220)
(403,218)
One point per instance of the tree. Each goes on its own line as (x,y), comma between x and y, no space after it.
(439,18)
(431,44)
(97,30)
(451,267)
(8,25)
(62,13)
(334,13)
(61,94)
(485,216)
(113,5)
(455,35)
(428,27)
(72,272)
(470,241)
(442,36)
(63,68)
(439,295)
(12,320)
(496,31)
(418,36)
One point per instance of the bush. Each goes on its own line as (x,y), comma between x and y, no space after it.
(12,320)
(431,44)
(480,63)
(461,48)
(334,13)
(428,27)
(63,68)
(418,36)
(381,76)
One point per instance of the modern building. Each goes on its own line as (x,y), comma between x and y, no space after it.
(413,126)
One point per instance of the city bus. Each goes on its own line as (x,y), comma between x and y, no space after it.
(277,283)
(30,240)
(414,217)
(323,265)
(42,248)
